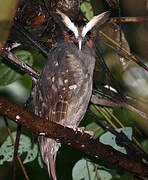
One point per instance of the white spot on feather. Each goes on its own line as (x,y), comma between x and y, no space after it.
(61,96)
(18,117)
(66,81)
(53,79)
(73,86)
(56,64)
(54,87)
(43,104)
(60,81)
(42,134)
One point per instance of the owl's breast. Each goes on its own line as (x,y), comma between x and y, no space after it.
(64,89)
(80,66)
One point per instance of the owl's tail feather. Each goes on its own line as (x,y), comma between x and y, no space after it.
(51,166)
(49,148)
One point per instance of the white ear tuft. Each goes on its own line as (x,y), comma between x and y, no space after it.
(96,20)
(68,23)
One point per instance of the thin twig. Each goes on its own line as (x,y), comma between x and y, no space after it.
(13,144)
(26,34)
(123,140)
(18,135)
(132,57)
(16,146)
(102,61)
(121,125)
(20,64)
(109,103)
(127,19)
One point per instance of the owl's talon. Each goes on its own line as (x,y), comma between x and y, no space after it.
(91,133)
(75,128)
(81,129)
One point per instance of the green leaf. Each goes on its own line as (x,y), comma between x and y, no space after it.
(25,56)
(39,61)
(25,146)
(109,138)
(87,9)
(145,145)
(9,75)
(94,110)
(104,175)
(86,170)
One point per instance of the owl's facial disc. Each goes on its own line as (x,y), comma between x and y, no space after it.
(96,20)
(72,27)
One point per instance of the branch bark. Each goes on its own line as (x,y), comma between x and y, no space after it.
(20,64)
(66,135)
(109,103)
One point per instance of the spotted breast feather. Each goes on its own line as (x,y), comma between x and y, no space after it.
(65,85)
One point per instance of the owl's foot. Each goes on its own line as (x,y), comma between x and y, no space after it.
(91,133)
(81,129)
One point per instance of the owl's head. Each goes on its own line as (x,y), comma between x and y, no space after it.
(79,33)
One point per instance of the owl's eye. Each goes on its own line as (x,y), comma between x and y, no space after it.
(88,33)
(70,33)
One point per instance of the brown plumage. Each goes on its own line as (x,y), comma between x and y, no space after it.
(65,86)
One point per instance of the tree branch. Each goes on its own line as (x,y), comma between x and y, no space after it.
(127,19)
(20,64)
(110,103)
(76,139)
(124,51)
(28,36)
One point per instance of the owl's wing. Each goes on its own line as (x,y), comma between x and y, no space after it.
(59,83)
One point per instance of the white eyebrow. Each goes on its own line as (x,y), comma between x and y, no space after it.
(99,19)
(69,23)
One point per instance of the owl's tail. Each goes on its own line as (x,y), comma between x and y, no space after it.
(49,148)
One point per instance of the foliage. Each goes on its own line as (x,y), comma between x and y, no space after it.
(8,74)
(83,169)
(86,170)
(25,146)
(110,139)
(87,9)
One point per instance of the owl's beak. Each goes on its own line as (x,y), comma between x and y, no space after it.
(80,42)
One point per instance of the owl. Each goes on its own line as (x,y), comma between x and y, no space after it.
(64,89)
